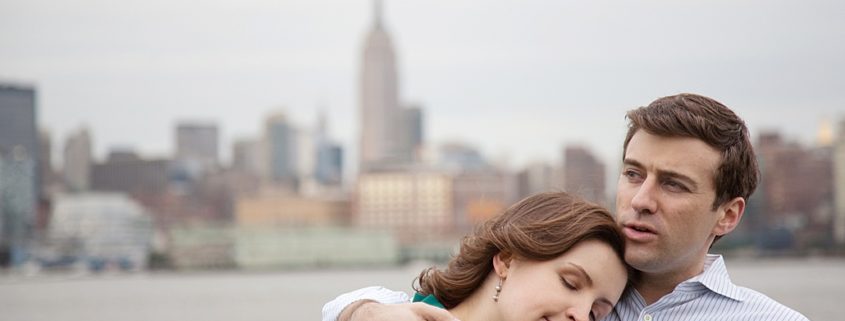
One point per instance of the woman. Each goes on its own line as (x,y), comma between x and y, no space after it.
(550,257)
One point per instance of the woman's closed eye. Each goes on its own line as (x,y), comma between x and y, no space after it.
(569,284)
(571,281)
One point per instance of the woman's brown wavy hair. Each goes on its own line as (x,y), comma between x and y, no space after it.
(539,228)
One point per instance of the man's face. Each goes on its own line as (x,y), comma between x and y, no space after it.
(664,203)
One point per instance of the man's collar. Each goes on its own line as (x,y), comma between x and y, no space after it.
(716,278)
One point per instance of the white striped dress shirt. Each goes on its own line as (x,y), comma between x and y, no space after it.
(708,296)
(379,294)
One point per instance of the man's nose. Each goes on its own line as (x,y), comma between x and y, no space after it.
(644,201)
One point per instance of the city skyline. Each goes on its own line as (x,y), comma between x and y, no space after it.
(512,78)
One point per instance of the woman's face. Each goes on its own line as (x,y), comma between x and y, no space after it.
(582,284)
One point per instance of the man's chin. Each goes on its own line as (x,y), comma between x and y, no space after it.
(639,257)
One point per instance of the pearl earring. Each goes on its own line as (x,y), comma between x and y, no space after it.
(498,290)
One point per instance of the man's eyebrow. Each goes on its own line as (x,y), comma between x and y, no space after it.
(632,162)
(582,272)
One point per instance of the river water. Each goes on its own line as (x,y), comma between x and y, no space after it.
(815,287)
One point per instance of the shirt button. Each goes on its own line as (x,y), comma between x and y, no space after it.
(647,317)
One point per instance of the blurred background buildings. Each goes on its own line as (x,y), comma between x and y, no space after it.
(20,183)
(284,200)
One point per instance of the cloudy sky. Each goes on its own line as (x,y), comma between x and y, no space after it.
(518,79)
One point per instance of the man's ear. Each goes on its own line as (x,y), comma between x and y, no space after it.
(730,213)
(502,264)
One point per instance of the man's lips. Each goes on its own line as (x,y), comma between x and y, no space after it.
(639,232)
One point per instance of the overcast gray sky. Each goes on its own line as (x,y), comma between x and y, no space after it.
(519,79)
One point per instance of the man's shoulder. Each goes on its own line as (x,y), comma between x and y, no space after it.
(739,304)
(758,306)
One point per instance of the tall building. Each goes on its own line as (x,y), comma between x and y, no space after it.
(328,168)
(428,209)
(535,178)
(18,130)
(145,180)
(583,174)
(48,174)
(248,157)
(412,132)
(49,182)
(196,147)
(478,196)
(124,171)
(305,141)
(416,205)
(839,184)
(101,229)
(379,98)
(797,193)
(19,171)
(275,229)
(268,208)
(281,142)
(390,134)
(77,161)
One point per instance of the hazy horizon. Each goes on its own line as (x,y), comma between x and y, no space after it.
(517,79)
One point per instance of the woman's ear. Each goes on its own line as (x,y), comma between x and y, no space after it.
(501,264)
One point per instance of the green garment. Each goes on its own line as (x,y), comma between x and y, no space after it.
(430,300)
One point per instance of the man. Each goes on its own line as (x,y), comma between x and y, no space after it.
(688,170)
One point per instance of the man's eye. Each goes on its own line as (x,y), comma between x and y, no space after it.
(675,186)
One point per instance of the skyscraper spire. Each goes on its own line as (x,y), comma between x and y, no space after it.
(377,14)
(379,98)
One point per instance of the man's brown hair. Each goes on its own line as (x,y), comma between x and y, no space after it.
(696,116)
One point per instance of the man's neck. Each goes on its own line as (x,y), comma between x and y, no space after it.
(654,285)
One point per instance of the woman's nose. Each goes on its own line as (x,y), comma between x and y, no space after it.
(578,313)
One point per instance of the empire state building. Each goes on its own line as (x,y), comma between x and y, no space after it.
(382,125)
